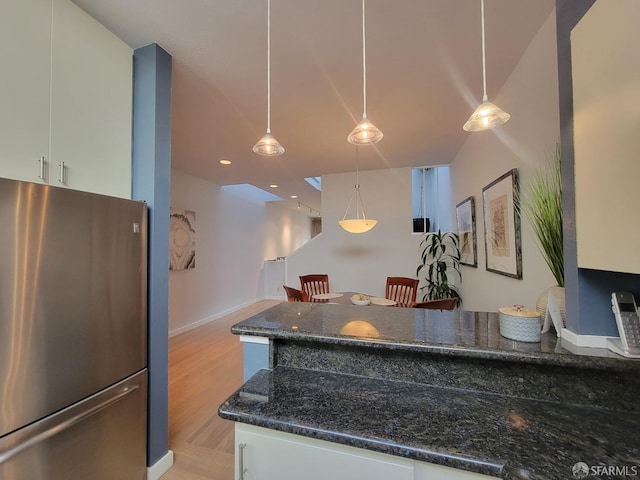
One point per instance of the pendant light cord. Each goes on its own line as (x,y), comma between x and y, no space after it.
(268,66)
(484,68)
(364,65)
(356,194)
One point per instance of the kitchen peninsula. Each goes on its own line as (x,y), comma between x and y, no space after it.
(383,392)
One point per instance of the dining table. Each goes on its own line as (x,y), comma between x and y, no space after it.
(344,298)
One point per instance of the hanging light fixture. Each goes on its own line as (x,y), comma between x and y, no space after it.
(365,133)
(361,223)
(487,115)
(268,145)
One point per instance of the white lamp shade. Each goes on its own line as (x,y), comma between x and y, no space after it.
(357,225)
(268,146)
(485,117)
(365,133)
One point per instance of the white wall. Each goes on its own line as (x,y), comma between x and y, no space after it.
(362,262)
(531,97)
(234,236)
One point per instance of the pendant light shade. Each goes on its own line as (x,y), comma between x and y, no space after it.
(365,133)
(268,145)
(361,223)
(487,115)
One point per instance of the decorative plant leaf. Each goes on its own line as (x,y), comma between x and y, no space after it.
(542,207)
(440,253)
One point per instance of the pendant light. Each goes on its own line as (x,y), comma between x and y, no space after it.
(361,223)
(487,115)
(365,133)
(268,145)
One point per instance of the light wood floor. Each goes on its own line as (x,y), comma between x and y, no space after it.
(205,367)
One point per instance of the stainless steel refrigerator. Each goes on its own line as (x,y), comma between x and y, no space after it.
(73,334)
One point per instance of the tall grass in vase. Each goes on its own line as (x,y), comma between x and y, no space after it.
(542,207)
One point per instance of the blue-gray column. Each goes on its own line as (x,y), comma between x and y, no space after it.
(151,183)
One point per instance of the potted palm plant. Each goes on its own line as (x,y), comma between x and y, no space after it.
(440,264)
(542,207)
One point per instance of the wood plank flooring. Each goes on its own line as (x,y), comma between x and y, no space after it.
(205,367)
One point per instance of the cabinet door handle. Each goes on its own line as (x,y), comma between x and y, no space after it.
(61,178)
(241,469)
(42,162)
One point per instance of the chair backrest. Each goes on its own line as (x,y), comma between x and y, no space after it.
(403,290)
(440,304)
(314,284)
(295,295)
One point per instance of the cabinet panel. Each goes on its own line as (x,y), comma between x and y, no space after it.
(91,102)
(606,95)
(427,471)
(25,56)
(272,455)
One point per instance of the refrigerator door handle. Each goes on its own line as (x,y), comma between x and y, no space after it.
(43,430)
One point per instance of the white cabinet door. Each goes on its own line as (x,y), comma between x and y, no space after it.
(25,53)
(271,455)
(606,94)
(428,471)
(91,104)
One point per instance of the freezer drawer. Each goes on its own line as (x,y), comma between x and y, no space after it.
(100,438)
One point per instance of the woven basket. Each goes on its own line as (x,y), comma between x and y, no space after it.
(518,323)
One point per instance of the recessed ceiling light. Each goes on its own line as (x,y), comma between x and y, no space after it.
(294,196)
(225,162)
(273,185)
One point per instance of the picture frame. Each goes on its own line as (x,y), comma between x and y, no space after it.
(182,239)
(466,221)
(503,248)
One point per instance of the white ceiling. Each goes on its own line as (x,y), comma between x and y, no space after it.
(424,78)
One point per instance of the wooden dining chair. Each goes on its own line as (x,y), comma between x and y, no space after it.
(440,304)
(314,284)
(402,290)
(295,295)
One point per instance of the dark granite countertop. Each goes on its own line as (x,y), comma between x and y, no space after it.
(442,387)
(454,333)
(497,435)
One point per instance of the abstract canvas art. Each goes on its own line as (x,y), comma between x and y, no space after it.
(182,239)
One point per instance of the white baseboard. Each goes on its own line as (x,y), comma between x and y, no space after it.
(204,321)
(275,297)
(591,341)
(155,471)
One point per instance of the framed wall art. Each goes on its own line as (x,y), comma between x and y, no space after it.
(502,240)
(466,219)
(182,239)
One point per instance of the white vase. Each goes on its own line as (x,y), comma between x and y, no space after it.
(558,294)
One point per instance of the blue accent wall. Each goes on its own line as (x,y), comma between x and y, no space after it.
(151,183)
(588,292)
(256,357)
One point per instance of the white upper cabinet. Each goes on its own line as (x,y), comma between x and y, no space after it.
(606,96)
(91,104)
(25,56)
(69,91)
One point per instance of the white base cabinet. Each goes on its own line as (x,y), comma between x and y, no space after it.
(264,454)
